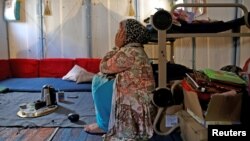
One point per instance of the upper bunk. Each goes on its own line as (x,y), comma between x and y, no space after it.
(198,29)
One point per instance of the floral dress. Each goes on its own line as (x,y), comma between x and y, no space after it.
(132,108)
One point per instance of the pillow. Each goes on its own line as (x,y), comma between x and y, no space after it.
(79,75)
(90,64)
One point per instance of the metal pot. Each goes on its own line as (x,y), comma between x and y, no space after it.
(48,95)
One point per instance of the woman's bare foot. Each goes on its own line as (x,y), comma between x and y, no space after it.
(93,129)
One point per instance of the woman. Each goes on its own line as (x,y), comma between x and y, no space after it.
(132,112)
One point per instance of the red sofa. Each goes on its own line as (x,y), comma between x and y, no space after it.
(43,68)
(51,67)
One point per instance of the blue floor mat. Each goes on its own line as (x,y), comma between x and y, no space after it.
(36,84)
(75,102)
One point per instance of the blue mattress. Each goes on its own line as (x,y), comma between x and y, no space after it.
(36,84)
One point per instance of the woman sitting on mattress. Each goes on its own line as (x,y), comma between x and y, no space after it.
(132,112)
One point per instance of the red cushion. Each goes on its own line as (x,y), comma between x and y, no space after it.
(24,68)
(5,71)
(55,67)
(90,64)
(246,69)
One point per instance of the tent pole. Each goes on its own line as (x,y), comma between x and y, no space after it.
(41,29)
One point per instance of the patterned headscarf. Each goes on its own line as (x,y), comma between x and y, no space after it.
(135,32)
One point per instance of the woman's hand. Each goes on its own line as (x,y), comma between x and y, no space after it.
(120,38)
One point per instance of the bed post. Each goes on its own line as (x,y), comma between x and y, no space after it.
(162,21)
(162,98)
(162,61)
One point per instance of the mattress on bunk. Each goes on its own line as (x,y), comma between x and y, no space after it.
(174,72)
(200,27)
(36,84)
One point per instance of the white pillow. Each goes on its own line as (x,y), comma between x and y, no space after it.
(79,75)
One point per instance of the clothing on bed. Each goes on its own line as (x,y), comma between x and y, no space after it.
(200,27)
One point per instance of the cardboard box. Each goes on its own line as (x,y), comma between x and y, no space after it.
(167,123)
(222,108)
(191,130)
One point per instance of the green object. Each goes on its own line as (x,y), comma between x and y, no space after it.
(3,89)
(12,10)
(17,10)
(224,76)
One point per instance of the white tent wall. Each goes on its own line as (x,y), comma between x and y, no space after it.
(106,15)
(64,31)
(3,36)
(24,38)
(100,20)
(87,28)
(216,52)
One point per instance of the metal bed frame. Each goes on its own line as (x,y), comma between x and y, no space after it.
(162,35)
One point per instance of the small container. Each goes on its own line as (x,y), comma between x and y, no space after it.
(30,111)
(60,96)
(23,108)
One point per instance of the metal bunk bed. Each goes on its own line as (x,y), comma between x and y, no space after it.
(201,29)
(162,22)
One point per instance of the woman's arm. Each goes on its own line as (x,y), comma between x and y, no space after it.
(115,62)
